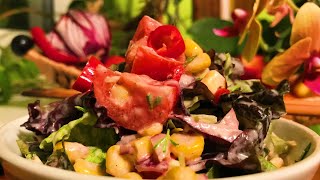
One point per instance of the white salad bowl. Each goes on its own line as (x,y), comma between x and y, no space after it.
(16,167)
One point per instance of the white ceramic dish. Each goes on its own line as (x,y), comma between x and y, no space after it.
(17,167)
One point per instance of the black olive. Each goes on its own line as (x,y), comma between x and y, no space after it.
(21,44)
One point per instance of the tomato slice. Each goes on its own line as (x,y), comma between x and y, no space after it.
(219,93)
(134,101)
(160,68)
(84,81)
(167,41)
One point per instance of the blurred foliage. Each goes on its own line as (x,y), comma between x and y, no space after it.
(16,75)
(124,16)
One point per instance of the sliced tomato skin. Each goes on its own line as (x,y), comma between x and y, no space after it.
(135,112)
(160,68)
(167,41)
(85,80)
(114,60)
(145,27)
(41,40)
(254,68)
(219,93)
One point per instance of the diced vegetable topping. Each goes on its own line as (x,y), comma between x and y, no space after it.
(167,41)
(84,81)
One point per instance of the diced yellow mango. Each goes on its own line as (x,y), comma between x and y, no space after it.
(173,163)
(86,167)
(179,173)
(202,74)
(116,164)
(192,48)
(190,146)
(214,80)
(73,150)
(131,175)
(199,63)
(120,94)
(153,129)
(143,148)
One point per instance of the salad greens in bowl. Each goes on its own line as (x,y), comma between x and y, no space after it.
(170,111)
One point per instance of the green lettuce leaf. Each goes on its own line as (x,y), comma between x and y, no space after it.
(96,155)
(82,131)
(266,165)
(29,148)
(64,132)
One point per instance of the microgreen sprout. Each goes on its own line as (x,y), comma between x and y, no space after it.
(165,142)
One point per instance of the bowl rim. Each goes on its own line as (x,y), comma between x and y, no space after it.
(7,155)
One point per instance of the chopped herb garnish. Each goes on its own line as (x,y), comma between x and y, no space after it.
(157,101)
(153,102)
(189,59)
(165,142)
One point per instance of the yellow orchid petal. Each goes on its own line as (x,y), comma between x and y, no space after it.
(284,65)
(252,43)
(307,24)
(255,9)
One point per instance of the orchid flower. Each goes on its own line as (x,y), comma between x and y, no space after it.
(247,25)
(280,9)
(244,18)
(304,51)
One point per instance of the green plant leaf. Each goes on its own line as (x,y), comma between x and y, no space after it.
(201,33)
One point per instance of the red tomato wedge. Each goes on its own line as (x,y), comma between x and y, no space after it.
(148,62)
(145,27)
(143,59)
(219,93)
(84,81)
(167,41)
(114,60)
(254,68)
(134,101)
(41,40)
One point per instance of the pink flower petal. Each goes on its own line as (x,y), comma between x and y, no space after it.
(312,74)
(240,18)
(226,32)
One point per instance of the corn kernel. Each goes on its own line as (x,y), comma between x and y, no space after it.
(120,94)
(153,129)
(199,63)
(86,167)
(192,48)
(143,148)
(214,80)
(117,165)
(178,173)
(131,175)
(73,150)
(190,146)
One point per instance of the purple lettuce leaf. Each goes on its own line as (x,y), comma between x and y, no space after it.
(44,120)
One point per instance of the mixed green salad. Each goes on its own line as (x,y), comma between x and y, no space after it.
(170,111)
